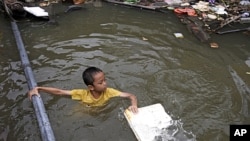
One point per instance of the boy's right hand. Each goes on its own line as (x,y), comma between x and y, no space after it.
(133,109)
(32,92)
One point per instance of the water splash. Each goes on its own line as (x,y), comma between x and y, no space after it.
(120,113)
(175,132)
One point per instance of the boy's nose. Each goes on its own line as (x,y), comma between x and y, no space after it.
(105,83)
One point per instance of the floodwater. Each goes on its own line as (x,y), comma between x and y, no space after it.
(204,90)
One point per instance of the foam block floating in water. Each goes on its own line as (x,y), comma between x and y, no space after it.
(148,122)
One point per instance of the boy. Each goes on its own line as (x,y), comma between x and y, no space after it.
(96,94)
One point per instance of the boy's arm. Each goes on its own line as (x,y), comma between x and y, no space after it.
(133,100)
(50,90)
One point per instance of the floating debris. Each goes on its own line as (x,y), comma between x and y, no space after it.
(144,39)
(178,35)
(214,45)
(73,8)
(37,11)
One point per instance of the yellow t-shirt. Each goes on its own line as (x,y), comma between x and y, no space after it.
(86,97)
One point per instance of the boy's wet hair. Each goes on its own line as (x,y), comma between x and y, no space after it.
(88,75)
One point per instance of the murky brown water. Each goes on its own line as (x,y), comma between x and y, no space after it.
(203,89)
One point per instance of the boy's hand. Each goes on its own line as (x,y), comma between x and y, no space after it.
(134,109)
(32,92)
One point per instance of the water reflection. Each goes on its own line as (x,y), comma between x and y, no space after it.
(191,80)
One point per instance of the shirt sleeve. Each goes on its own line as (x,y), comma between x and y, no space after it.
(113,92)
(77,94)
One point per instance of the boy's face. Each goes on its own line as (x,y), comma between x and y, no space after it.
(99,84)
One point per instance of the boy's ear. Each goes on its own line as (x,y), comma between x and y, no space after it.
(90,87)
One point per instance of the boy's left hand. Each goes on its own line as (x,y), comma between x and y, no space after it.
(134,109)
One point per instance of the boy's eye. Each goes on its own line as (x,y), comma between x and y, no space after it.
(103,81)
(100,82)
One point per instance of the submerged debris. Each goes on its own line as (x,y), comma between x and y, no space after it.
(72,8)
(202,18)
(12,8)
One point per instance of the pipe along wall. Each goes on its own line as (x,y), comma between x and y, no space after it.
(43,121)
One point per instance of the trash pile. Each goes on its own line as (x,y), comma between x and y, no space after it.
(12,8)
(216,15)
(201,17)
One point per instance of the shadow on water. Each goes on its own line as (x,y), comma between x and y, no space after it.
(139,54)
